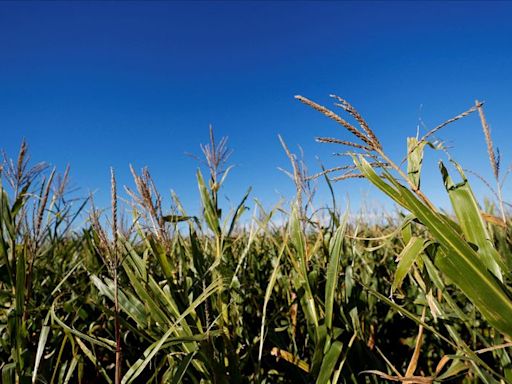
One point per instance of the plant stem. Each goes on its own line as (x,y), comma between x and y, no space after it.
(117,330)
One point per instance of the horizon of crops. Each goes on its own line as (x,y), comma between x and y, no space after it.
(318,296)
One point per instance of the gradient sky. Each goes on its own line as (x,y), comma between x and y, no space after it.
(100,84)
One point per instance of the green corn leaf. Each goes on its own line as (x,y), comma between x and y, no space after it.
(406,259)
(127,301)
(414,159)
(71,369)
(21,200)
(8,371)
(318,354)
(20,305)
(182,368)
(471,222)
(43,337)
(109,344)
(335,252)
(299,242)
(138,367)
(454,370)
(160,252)
(460,262)
(406,229)
(338,371)
(145,296)
(136,262)
(367,170)
(464,267)
(92,358)
(408,314)
(210,212)
(7,216)
(435,276)
(238,212)
(481,287)
(268,294)
(332,212)
(329,362)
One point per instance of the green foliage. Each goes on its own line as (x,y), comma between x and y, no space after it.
(221,297)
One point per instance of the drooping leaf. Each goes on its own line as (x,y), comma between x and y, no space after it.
(470,220)
(406,259)
(460,262)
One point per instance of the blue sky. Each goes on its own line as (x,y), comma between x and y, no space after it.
(100,84)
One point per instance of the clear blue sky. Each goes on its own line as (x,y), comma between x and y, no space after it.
(96,84)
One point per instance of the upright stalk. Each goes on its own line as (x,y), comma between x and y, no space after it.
(117,326)
(114,266)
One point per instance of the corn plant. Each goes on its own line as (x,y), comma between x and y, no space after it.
(461,249)
(296,292)
(35,223)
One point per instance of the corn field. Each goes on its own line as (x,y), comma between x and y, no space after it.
(134,293)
